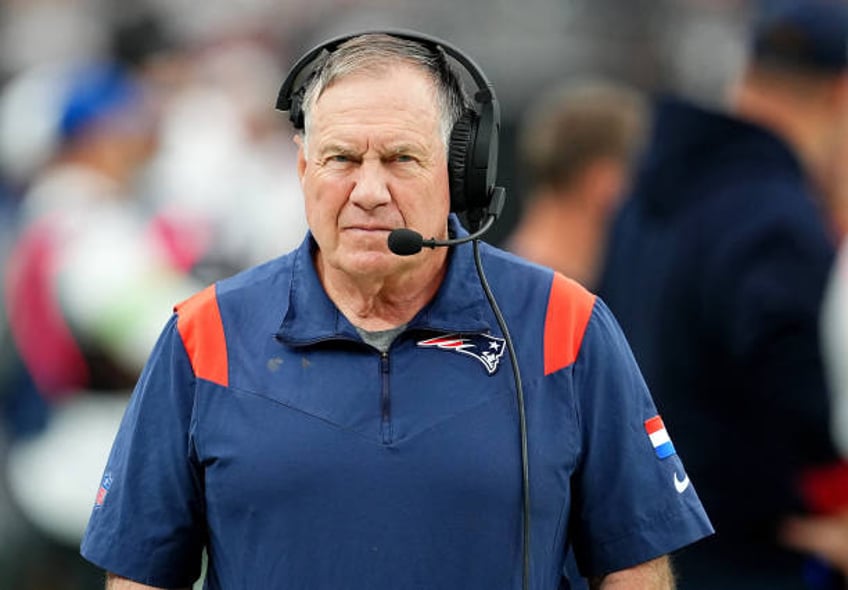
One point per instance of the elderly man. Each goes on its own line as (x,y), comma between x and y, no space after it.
(344,417)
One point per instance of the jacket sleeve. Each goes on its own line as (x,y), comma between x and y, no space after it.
(633,500)
(147,523)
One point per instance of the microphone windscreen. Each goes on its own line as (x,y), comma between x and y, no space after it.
(405,242)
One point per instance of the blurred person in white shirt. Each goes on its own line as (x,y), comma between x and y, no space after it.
(89,283)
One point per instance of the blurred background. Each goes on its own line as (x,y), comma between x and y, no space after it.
(141,159)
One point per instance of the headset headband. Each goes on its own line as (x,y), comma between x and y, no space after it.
(485,91)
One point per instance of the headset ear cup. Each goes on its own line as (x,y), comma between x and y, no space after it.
(461,139)
(295,111)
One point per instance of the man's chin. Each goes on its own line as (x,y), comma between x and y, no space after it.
(373,263)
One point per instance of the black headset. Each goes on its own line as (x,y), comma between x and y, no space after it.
(473,146)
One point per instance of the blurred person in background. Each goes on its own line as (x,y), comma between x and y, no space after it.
(716,268)
(219,175)
(576,147)
(12,377)
(826,535)
(165,166)
(84,287)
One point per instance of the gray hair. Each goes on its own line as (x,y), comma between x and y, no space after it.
(375,52)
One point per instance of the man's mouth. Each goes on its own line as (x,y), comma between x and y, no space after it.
(369,228)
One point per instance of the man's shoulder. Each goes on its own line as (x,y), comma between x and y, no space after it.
(760,215)
(564,306)
(517,271)
(569,310)
(257,278)
(504,265)
(258,285)
(232,314)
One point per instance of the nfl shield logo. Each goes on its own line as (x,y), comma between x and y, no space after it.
(103,490)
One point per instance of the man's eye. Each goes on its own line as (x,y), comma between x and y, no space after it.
(339,159)
(403,158)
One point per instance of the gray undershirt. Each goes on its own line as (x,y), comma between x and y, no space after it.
(380,339)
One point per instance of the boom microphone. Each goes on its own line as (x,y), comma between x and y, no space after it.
(406,242)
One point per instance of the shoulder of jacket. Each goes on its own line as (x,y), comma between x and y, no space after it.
(568,312)
(202,333)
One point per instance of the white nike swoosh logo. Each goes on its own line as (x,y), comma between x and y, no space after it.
(680,485)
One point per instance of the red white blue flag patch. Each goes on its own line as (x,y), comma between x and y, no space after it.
(486,349)
(659,437)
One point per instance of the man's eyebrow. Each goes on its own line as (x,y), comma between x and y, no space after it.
(404,148)
(338,148)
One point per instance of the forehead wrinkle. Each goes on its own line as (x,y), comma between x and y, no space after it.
(344,126)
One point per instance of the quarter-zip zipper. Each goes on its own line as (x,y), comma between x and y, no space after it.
(385,400)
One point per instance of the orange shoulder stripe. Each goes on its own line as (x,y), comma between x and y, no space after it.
(202,331)
(569,309)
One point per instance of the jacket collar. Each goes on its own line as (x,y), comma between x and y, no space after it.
(311,317)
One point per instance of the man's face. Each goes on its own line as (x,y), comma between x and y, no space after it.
(374,161)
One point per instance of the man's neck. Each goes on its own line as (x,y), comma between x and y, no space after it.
(381,303)
(563,238)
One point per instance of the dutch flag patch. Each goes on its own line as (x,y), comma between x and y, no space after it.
(659,437)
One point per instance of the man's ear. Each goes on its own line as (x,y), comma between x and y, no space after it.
(301,156)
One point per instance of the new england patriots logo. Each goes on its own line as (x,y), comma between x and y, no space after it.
(486,349)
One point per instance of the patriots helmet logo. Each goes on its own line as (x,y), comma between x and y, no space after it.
(485,348)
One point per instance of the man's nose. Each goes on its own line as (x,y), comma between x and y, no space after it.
(371,187)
